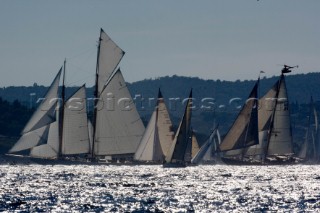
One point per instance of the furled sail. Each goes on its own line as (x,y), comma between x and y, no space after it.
(244,131)
(45,113)
(177,151)
(280,137)
(109,56)
(75,138)
(118,128)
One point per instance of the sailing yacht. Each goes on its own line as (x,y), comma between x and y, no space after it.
(55,131)
(309,152)
(176,156)
(157,137)
(117,129)
(274,130)
(208,154)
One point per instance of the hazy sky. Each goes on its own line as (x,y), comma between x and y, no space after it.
(211,39)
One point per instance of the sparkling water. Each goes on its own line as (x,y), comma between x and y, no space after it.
(83,188)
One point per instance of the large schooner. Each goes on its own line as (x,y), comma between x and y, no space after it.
(56,131)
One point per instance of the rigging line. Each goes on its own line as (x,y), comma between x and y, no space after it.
(74,72)
(83,53)
(72,84)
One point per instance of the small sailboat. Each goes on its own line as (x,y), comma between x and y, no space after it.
(208,154)
(176,156)
(309,153)
(157,137)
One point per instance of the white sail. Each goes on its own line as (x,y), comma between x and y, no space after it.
(43,151)
(30,139)
(211,154)
(194,145)
(149,148)
(75,138)
(208,150)
(53,136)
(49,148)
(280,140)
(119,128)
(266,106)
(45,113)
(258,151)
(305,146)
(109,57)
(164,125)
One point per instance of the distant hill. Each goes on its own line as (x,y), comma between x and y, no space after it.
(224,97)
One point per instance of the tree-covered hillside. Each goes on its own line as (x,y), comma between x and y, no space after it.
(213,99)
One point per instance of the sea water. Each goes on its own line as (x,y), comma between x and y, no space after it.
(215,188)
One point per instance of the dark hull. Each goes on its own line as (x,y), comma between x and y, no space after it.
(174,165)
(232,161)
(26,160)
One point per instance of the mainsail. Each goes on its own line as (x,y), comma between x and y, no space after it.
(280,137)
(177,151)
(75,138)
(244,131)
(118,128)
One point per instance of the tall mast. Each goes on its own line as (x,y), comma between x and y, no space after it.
(285,69)
(61,118)
(96,96)
(273,114)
